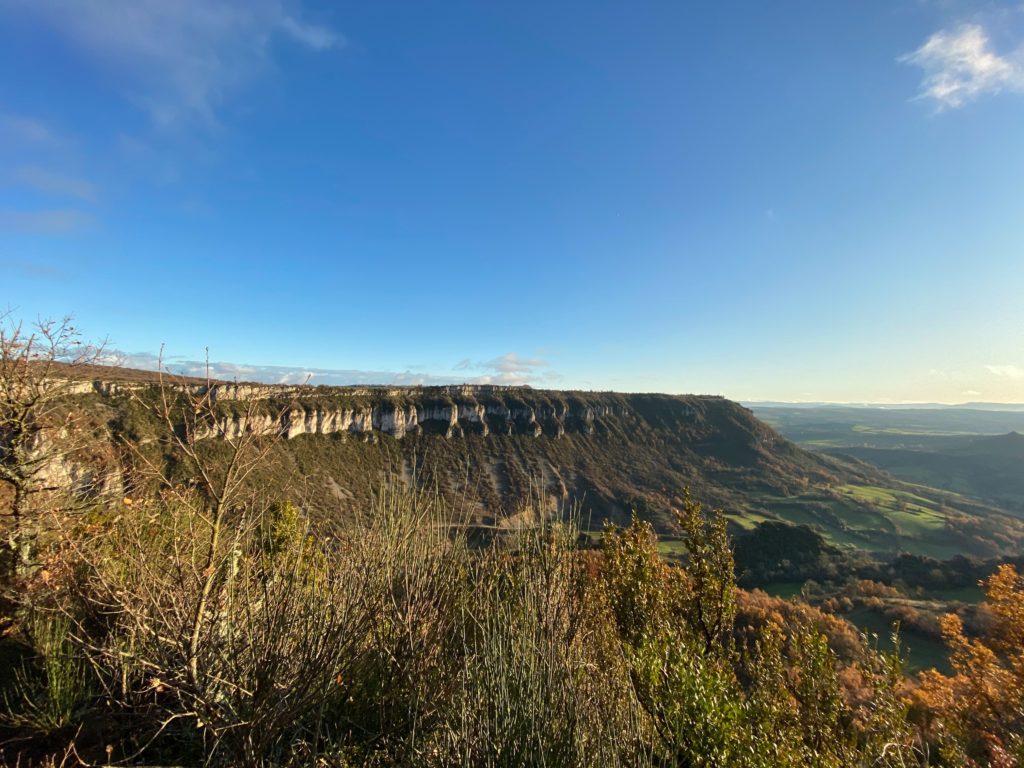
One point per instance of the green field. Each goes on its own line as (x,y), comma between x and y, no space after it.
(784,589)
(972,594)
(919,650)
(866,517)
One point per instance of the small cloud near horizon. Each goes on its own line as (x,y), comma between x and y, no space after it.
(1006,371)
(959,65)
(509,368)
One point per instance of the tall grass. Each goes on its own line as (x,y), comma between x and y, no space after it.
(48,691)
(540,682)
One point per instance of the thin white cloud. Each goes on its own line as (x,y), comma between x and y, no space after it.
(180,60)
(509,368)
(269,374)
(34,270)
(50,183)
(28,130)
(56,221)
(310,35)
(1006,371)
(960,65)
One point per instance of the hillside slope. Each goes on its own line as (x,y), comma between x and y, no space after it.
(989,468)
(609,453)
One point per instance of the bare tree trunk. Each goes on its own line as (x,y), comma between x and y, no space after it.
(209,575)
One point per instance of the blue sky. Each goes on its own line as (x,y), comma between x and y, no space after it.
(794,201)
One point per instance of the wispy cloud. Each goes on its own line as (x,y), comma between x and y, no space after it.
(507,369)
(1006,371)
(33,270)
(50,183)
(54,221)
(960,65)
(180,60)
(310,35)
(28,130)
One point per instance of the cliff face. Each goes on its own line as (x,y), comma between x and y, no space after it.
(485,447)
(609,447)
(452,411)
(453,419)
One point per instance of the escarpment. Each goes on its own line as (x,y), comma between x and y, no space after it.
(451,411)
(487,450)
(489,447)
(451,419)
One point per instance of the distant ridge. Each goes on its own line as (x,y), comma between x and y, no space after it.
(971,406)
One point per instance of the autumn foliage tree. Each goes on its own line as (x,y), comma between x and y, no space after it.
(713,698)
(978,711)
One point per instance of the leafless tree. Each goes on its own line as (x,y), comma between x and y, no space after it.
(40,366)
(190,414)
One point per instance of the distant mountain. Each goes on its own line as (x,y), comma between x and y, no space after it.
(834,426)
(976,449)
(1010,446)
(1007,407)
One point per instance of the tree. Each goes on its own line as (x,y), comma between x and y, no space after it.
(979,710)
(191,417)
(39,367)
(712,699)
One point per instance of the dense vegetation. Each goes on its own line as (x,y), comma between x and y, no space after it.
(205,618)
(148,635)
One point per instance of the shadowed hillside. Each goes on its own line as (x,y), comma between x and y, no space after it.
(990,468)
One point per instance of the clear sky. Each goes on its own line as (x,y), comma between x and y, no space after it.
(793,201)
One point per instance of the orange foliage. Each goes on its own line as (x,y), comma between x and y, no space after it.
(982,704)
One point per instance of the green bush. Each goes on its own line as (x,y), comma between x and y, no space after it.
(251,637)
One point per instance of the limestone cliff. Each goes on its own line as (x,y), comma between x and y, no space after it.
(451,411)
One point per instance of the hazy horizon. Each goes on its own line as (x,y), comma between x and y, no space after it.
(805,204)
(284,376)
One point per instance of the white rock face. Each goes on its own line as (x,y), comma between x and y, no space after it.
(447,415)
(475,414)
(463,413)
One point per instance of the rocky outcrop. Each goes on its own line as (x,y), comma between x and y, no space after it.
(451,420)
(451,411)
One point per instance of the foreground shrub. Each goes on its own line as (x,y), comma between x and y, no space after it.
(977,714)
(250,638)
(409,656)
(52,687)
(209,646)
(543,680)
(775,701)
